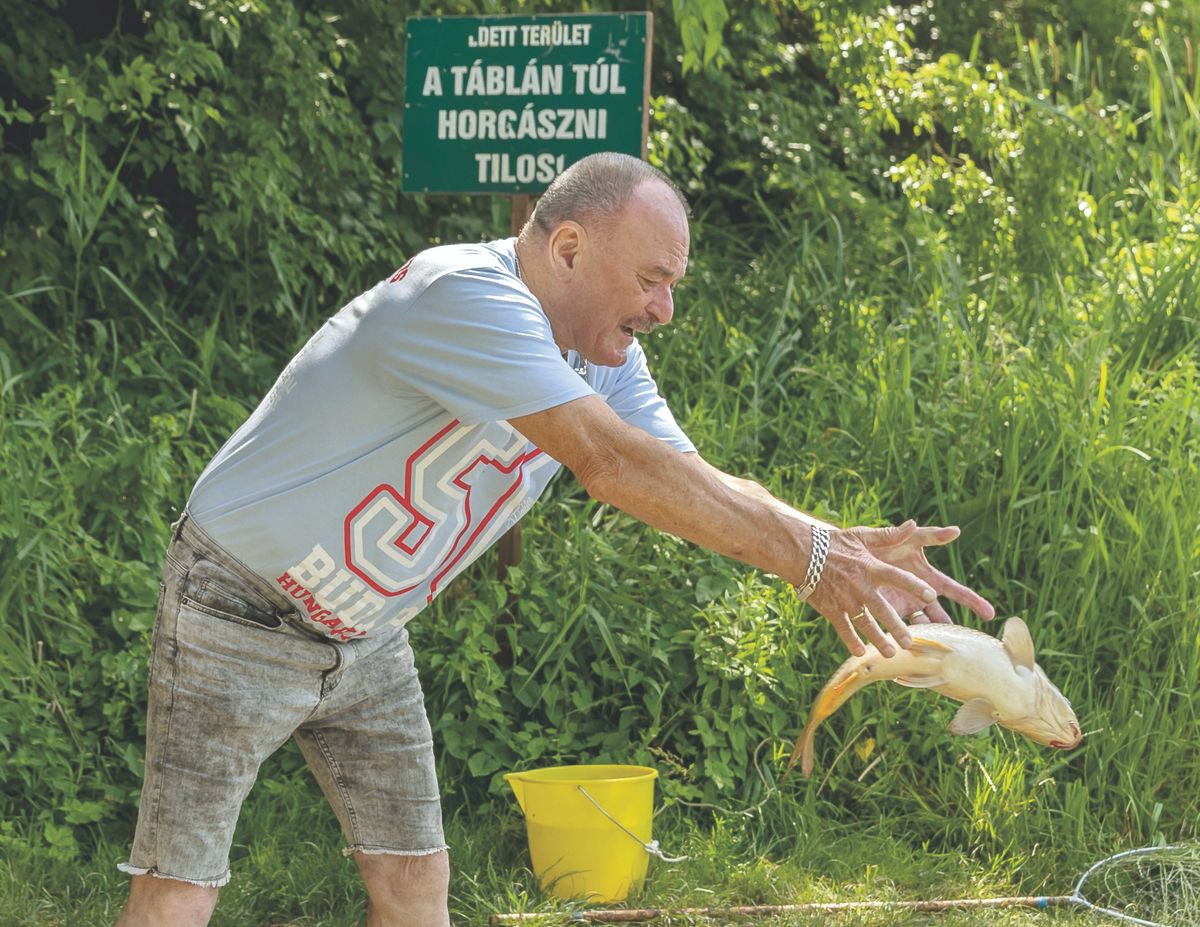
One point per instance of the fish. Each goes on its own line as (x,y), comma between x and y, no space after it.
(996,679)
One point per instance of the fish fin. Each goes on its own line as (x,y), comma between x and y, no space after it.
(841,686)
(831,699)
(1017,642)
(914,681)
(928,645)
(976,714)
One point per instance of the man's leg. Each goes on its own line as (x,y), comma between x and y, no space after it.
(230,680)
(370,747)
(155,902)
(406,891)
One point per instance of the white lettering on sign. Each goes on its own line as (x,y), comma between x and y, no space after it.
(556,33)
(433,83)
(506,80)
(533,35)
(509,124)
(499,168)
(493,37)
(597,78)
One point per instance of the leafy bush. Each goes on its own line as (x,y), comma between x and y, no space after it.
(944,267)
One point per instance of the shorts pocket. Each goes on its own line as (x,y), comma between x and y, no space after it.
(210,593)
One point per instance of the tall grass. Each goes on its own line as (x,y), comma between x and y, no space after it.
(1028,373)
(1048,407)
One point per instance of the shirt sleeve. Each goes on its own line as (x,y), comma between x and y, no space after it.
(477,343)
(634,396)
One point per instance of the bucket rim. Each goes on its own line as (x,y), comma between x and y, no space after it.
(584,773)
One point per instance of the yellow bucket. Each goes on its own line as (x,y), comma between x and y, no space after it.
(588,826)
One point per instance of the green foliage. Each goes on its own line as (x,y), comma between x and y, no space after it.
(944,267)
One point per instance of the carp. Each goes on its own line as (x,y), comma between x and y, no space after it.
(997,681)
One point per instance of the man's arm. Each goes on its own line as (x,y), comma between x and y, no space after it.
(880,570)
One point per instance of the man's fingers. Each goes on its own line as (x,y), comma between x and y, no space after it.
(936,536)
(849,637)
(938,615)
(890,536)
(904,581)
(894,622)
(866,624)
(968,598)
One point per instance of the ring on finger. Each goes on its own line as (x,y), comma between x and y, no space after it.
(917,615)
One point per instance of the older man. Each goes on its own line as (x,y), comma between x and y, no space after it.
(412,430)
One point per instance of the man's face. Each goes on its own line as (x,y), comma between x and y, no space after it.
(626,274)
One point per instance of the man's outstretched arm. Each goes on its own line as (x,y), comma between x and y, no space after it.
(880,571)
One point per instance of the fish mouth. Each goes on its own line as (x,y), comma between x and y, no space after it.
(1069,745)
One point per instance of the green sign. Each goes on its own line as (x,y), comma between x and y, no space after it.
(502,104)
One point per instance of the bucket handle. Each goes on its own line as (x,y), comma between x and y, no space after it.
(652,847)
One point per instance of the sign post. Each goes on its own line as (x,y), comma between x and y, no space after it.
(503,104)
(509,546)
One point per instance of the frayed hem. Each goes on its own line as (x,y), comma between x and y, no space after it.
(202,883)
(391,851)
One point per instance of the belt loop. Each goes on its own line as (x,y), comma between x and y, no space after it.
(177,528)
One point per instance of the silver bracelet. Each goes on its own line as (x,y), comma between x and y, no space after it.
(816,563)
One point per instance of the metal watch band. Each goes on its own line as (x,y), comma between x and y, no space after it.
(816,562)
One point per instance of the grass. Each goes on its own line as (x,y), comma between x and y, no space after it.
(283,878)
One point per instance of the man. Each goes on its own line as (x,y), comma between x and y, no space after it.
(419,423)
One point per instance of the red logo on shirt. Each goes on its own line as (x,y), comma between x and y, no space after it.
(401,273)
(386,534)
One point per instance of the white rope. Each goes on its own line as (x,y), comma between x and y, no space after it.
(652,847)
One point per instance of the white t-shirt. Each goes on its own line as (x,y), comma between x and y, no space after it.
(381,464)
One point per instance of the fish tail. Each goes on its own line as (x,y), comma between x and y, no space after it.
(832,697)
(806,757)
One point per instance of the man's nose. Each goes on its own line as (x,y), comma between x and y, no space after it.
(662,307)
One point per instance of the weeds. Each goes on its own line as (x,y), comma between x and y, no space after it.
(991,321)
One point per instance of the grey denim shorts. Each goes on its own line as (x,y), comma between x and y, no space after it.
(235,672)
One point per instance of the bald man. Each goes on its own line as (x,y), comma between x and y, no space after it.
(415,427)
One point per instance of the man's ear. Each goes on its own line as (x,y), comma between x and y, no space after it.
(567,242)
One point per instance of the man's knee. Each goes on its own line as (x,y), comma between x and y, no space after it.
(159,902)
(406,889)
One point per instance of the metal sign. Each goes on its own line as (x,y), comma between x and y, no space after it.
(502,104)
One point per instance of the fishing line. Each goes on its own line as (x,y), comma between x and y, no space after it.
(1150,886)
(770,789)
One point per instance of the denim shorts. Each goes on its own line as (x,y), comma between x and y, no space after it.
(235,672)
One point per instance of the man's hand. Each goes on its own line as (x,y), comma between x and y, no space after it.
(877,579)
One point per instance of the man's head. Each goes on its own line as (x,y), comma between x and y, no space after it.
(602,252)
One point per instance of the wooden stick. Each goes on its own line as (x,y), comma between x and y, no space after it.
(630,915)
